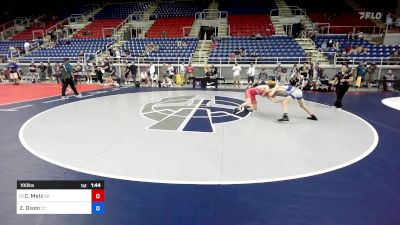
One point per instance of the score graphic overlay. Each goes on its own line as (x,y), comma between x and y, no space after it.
(60,197)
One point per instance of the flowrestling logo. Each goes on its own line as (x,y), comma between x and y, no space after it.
(191,113)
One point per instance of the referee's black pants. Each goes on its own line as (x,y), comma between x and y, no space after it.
(340,92)
(65,84)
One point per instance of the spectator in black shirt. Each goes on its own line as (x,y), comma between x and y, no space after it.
(42,71)
(341,81)
(133,69)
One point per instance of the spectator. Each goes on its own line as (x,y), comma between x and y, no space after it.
(395,58)
(263,76)
(371,77)
(27,45)
(388,81)
(253,56)
(189,71)
(397,22)
(107,72)
(82,56)
(99,73)
(330,44)
(42,71)
(349,49)
(361,72)
(236,74)
(127,75)
(213,71)
(389,20)
(336,45)
(294,76)
(242,52)
(49,70)
(350,36)
(57,72)
(89,71)
(167,82)
(164,34)
(360,35)
(33,72)
(117,54)
(171,72)
(324,46)
(251,72)
(278,71)
(78,72)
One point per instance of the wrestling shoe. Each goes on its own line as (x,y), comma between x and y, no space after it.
(312,117)
(284,118)
(236,110)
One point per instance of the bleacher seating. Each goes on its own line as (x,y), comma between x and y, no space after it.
(95,29)
(282,48)
(168,51)
(374,53)
(28,33)
(172,26)
(179,8)
(338,13)
(239,7)
(5,46)
(71,50)
(345,19)
(122,10)
(247,25)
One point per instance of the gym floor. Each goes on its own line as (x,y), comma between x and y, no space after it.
(178,156)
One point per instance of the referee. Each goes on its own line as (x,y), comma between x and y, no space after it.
(341,81)
(68,79)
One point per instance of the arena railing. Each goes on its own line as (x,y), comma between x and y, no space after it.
(295,10)
(326,27)
(57,25)
(7,25)
(29,59)
(35,32)
(108,28)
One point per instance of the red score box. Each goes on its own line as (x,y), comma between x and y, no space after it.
(97,195)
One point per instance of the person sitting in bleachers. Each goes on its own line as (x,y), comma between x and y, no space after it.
(330,44)
(336,45)
(242,52)
(395,58)
(324,46)
(350,36)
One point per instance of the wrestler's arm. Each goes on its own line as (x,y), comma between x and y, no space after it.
(273,99)
(272,91)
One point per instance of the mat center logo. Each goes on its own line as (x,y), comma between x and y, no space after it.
(191,113)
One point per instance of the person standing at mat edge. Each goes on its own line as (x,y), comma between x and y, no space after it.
(67,78)
(341,82)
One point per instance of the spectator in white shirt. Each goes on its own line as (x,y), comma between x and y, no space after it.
(389,20)
(236,74)
(26,47)
(251,72)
